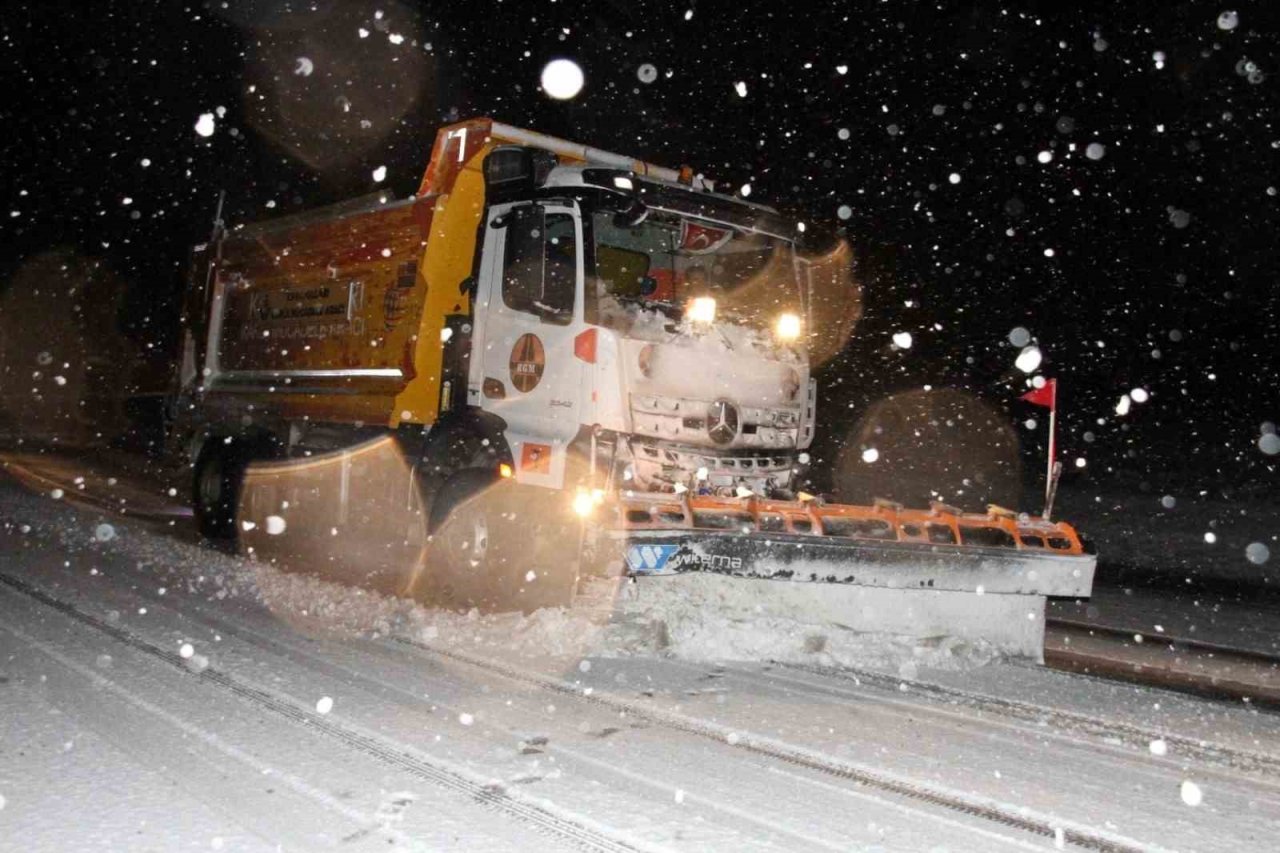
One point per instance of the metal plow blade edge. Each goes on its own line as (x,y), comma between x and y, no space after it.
(883,569)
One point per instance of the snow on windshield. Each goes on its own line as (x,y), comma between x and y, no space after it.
(666,261)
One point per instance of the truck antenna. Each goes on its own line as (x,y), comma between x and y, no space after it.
(218,225)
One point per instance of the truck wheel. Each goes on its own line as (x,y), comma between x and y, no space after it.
(219,476)
(494,549)
(469,544)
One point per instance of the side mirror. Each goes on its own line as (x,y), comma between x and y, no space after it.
(632,215)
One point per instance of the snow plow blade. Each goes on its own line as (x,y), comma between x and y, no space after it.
(876,569)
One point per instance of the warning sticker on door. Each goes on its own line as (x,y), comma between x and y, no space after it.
(535,458)
(527,361)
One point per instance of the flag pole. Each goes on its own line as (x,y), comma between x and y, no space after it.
(1048,480)
(1046,396)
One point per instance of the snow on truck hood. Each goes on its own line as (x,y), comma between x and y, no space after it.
(723,360)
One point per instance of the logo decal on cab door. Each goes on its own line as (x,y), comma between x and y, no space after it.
(527,361)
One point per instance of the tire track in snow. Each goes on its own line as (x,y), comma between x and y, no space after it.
(577,831)
(1232,758)
(364,820)
(1078,835)
(309,659)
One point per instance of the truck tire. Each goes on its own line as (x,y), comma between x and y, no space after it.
(493,548)
(219,476)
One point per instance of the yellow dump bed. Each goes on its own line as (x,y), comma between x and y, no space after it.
(337,314)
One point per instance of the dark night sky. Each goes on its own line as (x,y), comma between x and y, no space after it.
(1172,231)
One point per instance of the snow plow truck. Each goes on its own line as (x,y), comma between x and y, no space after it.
(593,366)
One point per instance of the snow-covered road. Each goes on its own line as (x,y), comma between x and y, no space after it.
(157,695)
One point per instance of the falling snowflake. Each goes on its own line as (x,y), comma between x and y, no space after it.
(1028,361)
(205,124)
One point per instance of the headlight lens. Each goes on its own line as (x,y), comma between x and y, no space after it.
(702,310)
(787,327)
(583,504)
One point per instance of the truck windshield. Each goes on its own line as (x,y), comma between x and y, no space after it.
(668,260)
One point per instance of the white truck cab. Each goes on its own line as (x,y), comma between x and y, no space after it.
(665,322)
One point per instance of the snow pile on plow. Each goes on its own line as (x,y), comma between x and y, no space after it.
(921,575)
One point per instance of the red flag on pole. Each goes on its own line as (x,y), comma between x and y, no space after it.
(1046,395)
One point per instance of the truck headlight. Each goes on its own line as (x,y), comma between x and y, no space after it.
(583,503)
(787,327)
(702,309)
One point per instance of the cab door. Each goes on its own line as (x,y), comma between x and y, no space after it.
(529,308)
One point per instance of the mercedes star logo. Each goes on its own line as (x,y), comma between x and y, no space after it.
(722,421)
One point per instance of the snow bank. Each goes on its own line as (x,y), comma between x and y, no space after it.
(610,620)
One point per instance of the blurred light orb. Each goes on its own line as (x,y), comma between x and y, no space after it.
(304,67)
(1095,151)
(1045,156)
(562,79)
(1019,336)
(954,177)
(844,211)
(931,444)
(1228,20)
(1269,443)
(647,73)
(902,340)
(1257,553)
